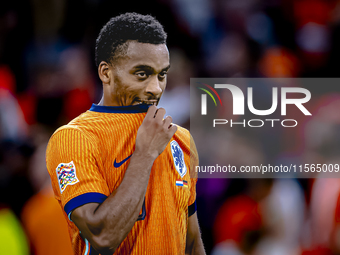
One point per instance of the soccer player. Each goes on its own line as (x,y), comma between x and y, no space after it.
(121,171)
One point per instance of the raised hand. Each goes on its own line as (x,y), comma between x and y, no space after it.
(155,133)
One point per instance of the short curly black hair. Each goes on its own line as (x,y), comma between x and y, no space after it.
(128,26)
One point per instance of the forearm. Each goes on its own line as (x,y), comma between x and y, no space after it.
(109,223)
(121,209)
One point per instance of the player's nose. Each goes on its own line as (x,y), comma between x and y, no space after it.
(154,86)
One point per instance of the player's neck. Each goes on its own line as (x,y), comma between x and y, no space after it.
(104,101)
(101,102)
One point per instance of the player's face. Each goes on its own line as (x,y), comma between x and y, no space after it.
(139,77)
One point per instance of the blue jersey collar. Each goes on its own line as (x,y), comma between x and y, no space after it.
(120,109)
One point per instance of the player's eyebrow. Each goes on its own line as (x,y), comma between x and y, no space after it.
(166,68)
(149,68)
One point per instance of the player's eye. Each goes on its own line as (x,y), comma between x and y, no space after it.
(141,74)
(162,75)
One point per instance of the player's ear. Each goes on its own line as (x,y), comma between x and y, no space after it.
(104,72)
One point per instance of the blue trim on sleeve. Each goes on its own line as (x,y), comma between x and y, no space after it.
(120,109)
(192,209)
(92,197)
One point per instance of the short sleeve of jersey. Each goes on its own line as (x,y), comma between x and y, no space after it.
(194,161)
(72,164)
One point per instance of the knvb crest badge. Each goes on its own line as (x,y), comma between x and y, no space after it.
(178,157)
(66,173)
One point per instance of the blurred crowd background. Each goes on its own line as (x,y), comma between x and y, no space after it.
(48,77)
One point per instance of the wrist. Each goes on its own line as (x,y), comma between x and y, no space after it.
(145,154)
(143,157)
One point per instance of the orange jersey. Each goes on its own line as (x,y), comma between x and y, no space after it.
(87,160)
